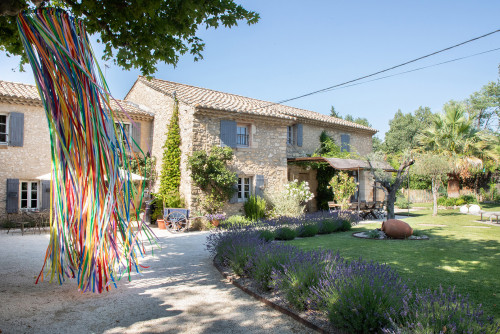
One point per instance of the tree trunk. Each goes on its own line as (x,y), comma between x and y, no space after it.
(435,188)
(391,199)
(453,186)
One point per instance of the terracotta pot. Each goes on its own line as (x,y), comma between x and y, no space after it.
(397,229)
(215,223)
(161,224)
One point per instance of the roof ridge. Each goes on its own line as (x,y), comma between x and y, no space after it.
(336,120)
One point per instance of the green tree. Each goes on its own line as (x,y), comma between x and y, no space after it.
(334,113)
(390,182)
(404,128)
(343,187)
(135,34)
(170,177)
(435,166)
(210,173)
(484,107)
(329,149)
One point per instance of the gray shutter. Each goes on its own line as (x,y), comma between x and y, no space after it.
(345,140)
(45,194)
(228,132)
(136,135)
(234,198)
(299,135)
(259,185)
(12,195)
(16,129)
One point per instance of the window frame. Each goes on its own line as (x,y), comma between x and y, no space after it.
(241,188)
(248,130)
(128,133)
(29,192)
(291,135)
(6,142)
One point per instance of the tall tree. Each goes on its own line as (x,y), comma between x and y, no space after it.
(404,128)
(135,34)
(484,107)
(334,113)
(170,177)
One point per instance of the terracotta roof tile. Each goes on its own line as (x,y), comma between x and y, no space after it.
(21,91)
(211,99)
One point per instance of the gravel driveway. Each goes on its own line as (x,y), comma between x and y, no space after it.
(181,292)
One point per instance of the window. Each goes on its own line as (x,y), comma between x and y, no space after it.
(290,138)
(242,136)
(29,195)
(244,188)
(126,131)
(3,129)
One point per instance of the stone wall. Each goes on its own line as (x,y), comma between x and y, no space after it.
(361,142)
(265,156)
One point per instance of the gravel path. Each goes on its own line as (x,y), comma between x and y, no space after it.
(181,292)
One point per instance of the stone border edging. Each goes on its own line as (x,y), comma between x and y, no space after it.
(289,313)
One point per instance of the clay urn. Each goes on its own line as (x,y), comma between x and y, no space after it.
(397,229)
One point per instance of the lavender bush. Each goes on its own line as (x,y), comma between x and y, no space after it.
(301,272)
(440,311)
(361,296)
(307,230)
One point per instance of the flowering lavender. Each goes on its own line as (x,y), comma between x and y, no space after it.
(440,311)
(216,216)
(361,296)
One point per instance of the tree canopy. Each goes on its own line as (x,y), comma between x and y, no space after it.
(404,128)
(135,34)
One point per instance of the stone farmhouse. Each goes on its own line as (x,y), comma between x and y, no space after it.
(266,139)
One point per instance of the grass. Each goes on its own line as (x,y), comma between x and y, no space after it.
(456,255)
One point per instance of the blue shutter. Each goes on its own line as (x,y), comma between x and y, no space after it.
(234,198)
(228,133)
(345,140)
(12,195)
(259,185)
(299,135)
(136,135)
(45,194)
(16,129)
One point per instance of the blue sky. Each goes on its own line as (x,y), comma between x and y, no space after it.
(302,46)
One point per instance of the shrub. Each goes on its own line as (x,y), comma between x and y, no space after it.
(403,203)
(291,201)
(308,230)
(449,201)
(174,200)
(361,297)
(285,233)
(300,273)
(441,201)
(255,208)
(344,225)
(170,176)
(373,234)
(460,201)
(235,221)
(266,235)
(266,259)
(327,227)
(468,199)
(439,311)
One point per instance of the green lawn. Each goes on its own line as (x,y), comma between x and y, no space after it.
(456,255)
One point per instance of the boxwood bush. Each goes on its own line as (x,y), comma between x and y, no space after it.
(285,233)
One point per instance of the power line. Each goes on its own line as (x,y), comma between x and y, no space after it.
(382,71)
(414,70)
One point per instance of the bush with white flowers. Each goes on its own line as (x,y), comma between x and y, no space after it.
(299,191)
(291,201)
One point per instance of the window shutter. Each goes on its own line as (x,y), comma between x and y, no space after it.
(228,133)
(136,135)
(12,195)
(234,198)
(16,129)
(45,194)
(345,146)
(259,185)
(299,135)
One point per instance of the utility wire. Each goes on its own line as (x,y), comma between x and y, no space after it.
(382,71)
(414,70)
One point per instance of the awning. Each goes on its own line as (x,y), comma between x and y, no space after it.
(347,164)
(134,177)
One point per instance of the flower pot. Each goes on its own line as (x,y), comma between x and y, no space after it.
(161,224)
(397,229)
(215,223)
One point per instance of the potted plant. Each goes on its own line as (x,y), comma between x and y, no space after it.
(161,223)
(215,218)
